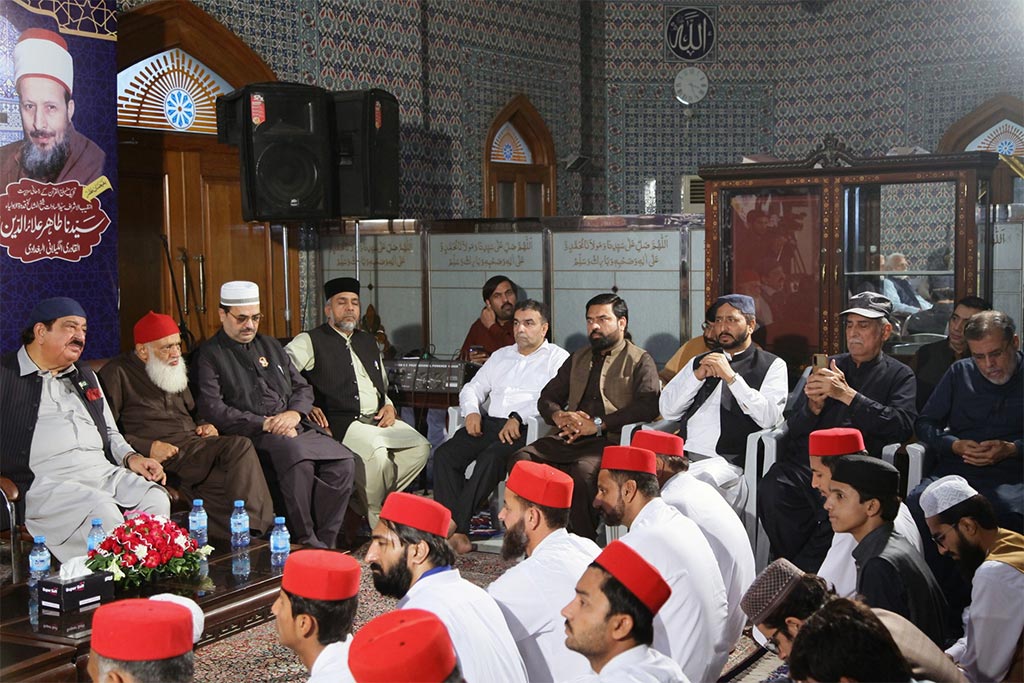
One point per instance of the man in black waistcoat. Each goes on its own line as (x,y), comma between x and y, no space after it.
(247,386)
(350,383)
(61,446)
(725,395)
(864,389)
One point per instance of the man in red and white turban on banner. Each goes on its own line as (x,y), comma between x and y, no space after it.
(52,151)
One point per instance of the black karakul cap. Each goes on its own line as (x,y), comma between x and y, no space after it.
(867,474)
(341,284)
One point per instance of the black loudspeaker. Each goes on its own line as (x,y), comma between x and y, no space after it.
(366,153)
(283,131)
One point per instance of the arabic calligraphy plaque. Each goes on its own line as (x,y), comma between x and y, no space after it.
(690,33)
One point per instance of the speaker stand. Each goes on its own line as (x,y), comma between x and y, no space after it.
(288,293)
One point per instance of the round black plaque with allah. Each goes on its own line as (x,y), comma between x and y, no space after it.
(689,33)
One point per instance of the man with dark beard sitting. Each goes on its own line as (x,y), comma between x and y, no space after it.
(597,391)
(531,594)
(52,150)
(723,396)
(410,559)
(963,524)
(147,389)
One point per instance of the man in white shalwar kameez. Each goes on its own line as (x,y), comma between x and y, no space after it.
(314,611)
(723,396)
(532,593)
(60,442)
(826,447)
(700,502)
(693,627)
(611,620)
(964,525)
(411,560)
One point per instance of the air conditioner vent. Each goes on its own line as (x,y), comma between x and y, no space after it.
(692,194)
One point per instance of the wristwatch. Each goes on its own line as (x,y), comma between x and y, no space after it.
(518,418)
(599,423)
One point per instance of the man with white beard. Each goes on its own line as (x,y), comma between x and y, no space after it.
(147,389)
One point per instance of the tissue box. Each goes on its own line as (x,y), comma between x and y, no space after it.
(72,595)
(67,624)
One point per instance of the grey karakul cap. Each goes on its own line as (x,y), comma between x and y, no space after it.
(769,589)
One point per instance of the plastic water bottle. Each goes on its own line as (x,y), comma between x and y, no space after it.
(204,571)
(33,603)
(96,535)
(240,564)
(39,558)
(280,543)
(197,523)
(239,526)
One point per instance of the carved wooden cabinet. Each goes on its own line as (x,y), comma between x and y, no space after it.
(801,237)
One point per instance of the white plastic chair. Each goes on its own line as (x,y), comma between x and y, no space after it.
(915,462)
(535,429)
(751,473)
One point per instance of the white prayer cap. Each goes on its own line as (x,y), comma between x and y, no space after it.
(43,54)
(239,293)
(944,493)
(198,618)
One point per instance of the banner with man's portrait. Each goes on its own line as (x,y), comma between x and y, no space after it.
(58,163)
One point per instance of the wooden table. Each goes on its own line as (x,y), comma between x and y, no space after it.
(231,602)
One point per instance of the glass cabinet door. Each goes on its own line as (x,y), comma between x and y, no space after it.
(899,241)
(772,251)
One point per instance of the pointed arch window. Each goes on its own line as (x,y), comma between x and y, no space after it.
(508,147)
(995,126)
(519,164)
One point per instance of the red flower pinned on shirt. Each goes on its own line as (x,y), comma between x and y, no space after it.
(93,394)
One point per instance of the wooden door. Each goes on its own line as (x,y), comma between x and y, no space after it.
(520,191)
(186,189)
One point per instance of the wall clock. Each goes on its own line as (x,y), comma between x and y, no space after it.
(691,85)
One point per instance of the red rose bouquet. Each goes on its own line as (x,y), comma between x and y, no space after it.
(145,548)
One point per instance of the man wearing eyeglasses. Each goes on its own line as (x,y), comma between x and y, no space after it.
(248,386)
(932,360)
(963,526)
(783,597)
(723,396)
(974,421)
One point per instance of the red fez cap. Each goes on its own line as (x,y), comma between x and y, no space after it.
(835,441)
(636,574)
(153,326)
(629,458)
(116,629)
(321,575)
(399,646)
(661,443)
(541,484)
(418,512)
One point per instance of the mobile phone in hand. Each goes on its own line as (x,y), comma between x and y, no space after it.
(819,361)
